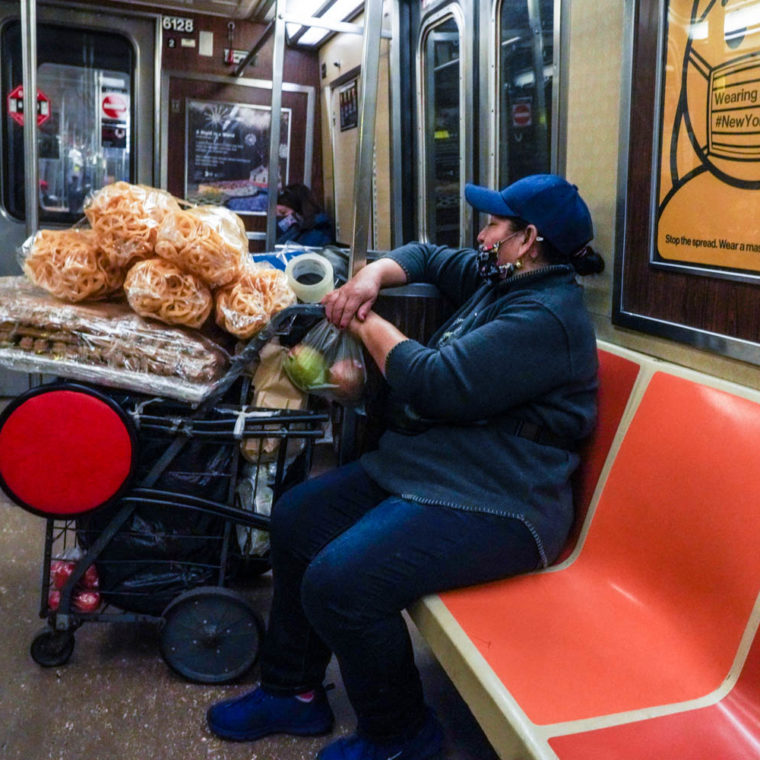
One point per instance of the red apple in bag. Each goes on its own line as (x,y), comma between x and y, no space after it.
(348,376)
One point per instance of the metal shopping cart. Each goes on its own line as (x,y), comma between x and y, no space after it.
(142,498)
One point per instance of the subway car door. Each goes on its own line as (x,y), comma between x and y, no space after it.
(96,112)
(96,117)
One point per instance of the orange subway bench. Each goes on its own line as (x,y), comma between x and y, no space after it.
(641,643)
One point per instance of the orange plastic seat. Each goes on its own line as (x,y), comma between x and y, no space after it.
(617,376)
(726,730)
(653,608)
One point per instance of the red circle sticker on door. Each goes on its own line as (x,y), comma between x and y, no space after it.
(114,105)
(522,114)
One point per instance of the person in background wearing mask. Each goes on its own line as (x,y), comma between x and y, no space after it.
(470,484)
(300,218)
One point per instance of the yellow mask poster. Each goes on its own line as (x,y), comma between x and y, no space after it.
(708,200)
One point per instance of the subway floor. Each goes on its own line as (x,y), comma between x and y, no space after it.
(117,700)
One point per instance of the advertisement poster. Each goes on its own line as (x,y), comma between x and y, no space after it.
(227,154)
(708,183)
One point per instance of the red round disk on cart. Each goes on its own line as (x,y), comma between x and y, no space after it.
(65,449)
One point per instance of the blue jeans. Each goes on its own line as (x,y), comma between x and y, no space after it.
(347,558)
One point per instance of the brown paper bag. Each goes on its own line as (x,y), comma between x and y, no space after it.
(271,390)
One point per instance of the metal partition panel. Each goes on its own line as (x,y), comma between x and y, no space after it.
(373,18)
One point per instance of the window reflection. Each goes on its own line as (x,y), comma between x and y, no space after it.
(86,139)
(525,61)
(441,64)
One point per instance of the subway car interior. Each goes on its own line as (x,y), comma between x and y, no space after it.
(138,479)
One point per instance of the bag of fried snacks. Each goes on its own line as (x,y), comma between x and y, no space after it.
(70,265)
(159,289)
(209,241)
(126,219)
(246,305)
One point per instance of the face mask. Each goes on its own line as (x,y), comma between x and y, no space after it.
(286,222)
(488,269)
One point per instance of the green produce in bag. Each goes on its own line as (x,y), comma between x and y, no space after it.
(328,362)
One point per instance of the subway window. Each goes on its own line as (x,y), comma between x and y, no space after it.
(525,65)
(84,116)
(441,121)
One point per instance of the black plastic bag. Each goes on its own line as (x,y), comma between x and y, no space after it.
(162,551)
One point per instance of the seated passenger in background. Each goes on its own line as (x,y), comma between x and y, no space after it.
(300,219)
(471,484)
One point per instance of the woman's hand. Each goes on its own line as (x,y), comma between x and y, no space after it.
(354,299)
(378,335)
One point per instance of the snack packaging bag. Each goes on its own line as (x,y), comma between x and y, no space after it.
(126,219)
(328,362)
(209,241)
(159,289)
(246,305)
(70,265)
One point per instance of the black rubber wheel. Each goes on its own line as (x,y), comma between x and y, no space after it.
(52,648)
(211,635)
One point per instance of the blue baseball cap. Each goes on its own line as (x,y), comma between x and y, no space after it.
(547,201)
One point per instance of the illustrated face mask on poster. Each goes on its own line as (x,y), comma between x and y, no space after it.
(709,153)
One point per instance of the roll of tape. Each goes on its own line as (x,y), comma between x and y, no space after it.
(311,277)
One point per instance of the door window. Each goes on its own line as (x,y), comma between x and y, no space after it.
(525,65)
(442,131)
(85,122)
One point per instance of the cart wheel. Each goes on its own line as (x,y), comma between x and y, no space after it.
(210,635)
(51,648)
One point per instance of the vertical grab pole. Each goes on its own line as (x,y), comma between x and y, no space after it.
(278,60)
(373,22)
(29,83)
(536,28)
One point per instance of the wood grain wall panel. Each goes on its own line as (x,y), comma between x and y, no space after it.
(711,304)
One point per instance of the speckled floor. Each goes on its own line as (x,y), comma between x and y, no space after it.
(117,700)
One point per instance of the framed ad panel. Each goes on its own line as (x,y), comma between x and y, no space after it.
(227,151)
(215,141)
(688,263)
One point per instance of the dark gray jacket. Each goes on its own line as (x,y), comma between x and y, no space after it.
(521,349)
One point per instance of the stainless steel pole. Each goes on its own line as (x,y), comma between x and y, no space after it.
(278,60)
(541,117)
(29,83)
(373,21)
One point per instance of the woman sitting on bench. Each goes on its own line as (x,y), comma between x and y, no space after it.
(470,483)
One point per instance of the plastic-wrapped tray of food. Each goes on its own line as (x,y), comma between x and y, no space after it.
(105,343)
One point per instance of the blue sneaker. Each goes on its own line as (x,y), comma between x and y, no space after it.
(426,743)
(259,713)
